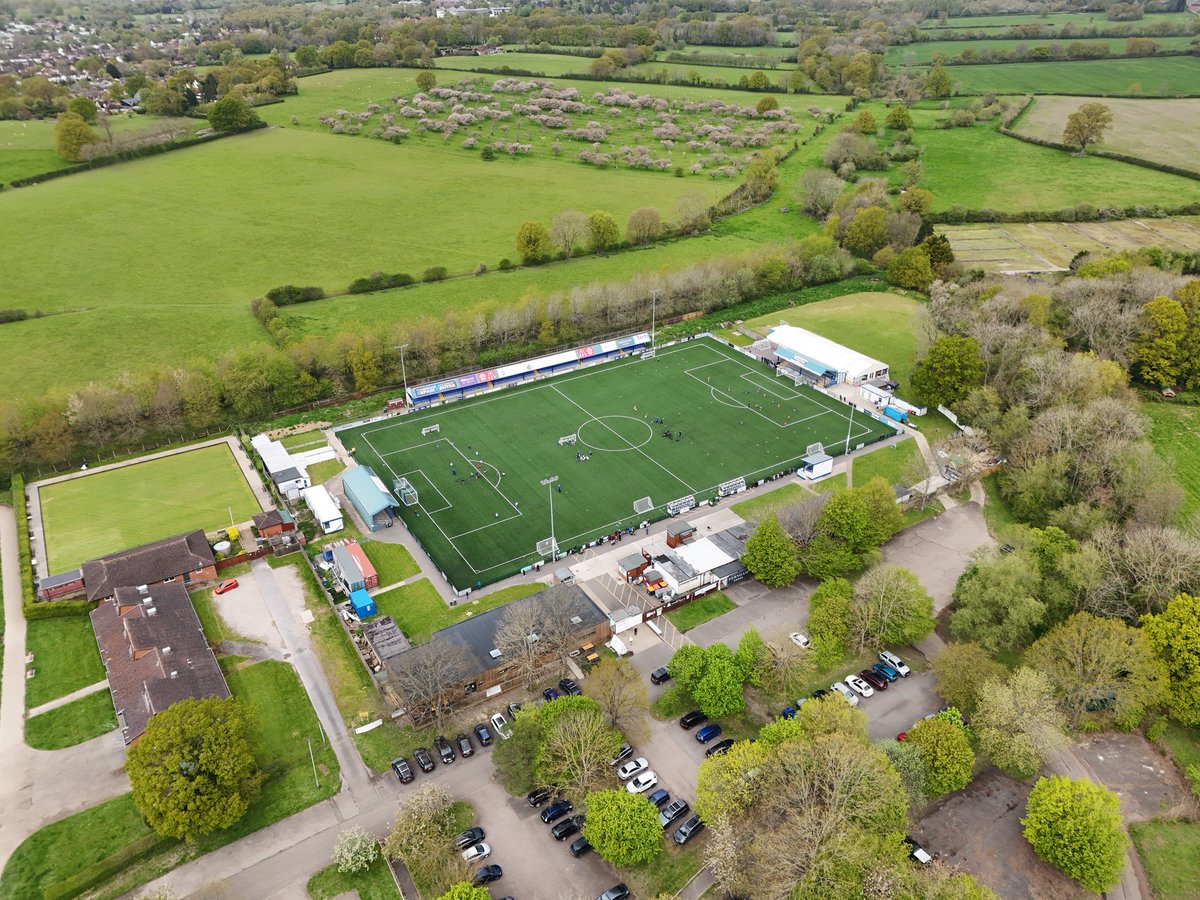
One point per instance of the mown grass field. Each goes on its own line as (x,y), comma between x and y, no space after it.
(758,508)
(108,511)
(700,611)
(1175,434)
(923,52)
(1164,131)
(392,562)
(373,883)
(419,610)
(890,464)
(1154,75)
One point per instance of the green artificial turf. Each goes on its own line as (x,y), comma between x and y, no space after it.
(110,511)
(1170,853)
(700,611)
(65,658)
(1151,75)
(392,562)
(482,507)
(373,883)
(419,610)
(71,724)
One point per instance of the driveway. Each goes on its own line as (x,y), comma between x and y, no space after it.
(937,550)
(904,703)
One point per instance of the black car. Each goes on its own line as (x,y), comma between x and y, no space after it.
(692,719)
(659,675)
(688,830)
(445,751)
(720,747)
(556,810)
(402,769)
(487,875)
(513,709)
(659,797)
(623,754)
(672,811)
(470,838)
(568,686)
(616,892)
(465,747)
(566,828)
(537,796)
(424,760)
(484,734)
(817,695)
(580,846)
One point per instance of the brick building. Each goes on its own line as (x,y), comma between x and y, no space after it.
(185,558)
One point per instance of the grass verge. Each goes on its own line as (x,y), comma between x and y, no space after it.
(65,658)
(419,609)
(373,883)
(1170,853)
(700,611)
(71,724)
(758,508)
(666,874)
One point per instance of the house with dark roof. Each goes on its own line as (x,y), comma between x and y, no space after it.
(154,652)
(186,558)
(273,522)
(491,673)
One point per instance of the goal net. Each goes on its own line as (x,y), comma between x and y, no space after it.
(547,547)
(405,491)
(431,429)
(643,506)
(813,449)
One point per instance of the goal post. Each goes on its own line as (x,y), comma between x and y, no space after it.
(643,505)
(431,429)
(406,493)
(547,547)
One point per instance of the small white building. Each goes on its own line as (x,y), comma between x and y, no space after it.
(815,465)
(286,473)
(325,510)
(811,358)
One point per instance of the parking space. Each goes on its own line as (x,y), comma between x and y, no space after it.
(905,702)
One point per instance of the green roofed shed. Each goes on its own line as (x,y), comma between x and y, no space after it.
(369,496)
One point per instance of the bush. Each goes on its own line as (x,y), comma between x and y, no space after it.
(1076,827)
(505,264)
(434,273)
(290,294)
(379,282)
(355,850)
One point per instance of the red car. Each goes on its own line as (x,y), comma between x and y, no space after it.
(871,677)
(227,585)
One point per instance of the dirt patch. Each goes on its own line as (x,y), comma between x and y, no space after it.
(979,831)
(1149,784)
(245,613)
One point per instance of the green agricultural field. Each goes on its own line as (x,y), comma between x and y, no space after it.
(1175,434)
(65,658)
(108,511)
(1154,75)
(1055,20)
(923,52)
(1164,131)
(980,168)
(551,64)
(482,510)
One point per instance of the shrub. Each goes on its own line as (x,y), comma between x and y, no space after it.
(505,264)
(355,850)
(290,293)
(434,273)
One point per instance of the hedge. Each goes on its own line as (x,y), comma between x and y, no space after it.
(957,61)
(106,869)
(126,156)
(289,294)
(380,282)
(1084,212)
(627,76)
(1107,154)
(24,553)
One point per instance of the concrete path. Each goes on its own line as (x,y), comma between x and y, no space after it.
(12,700)
(74,695)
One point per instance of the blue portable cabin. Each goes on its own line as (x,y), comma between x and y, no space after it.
(364,606)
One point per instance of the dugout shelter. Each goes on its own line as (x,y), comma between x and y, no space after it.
(812,359)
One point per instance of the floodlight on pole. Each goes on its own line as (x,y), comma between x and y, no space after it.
(653,315)
(549,483)
(403,372)
(849,426)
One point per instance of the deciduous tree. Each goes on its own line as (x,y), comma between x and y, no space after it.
(1087,125)
(719,690)
(464,890)
(602,231)
(938,83)
(622,827)
(820,189)
(911,269)
(355,850)
(533,242)
(1076,827)
(193,771)
(961,670)
(1156,351)
(728,783)
(890,606)
(84,108)
(949,371)
(1175,636)
(576,746)
(430,677)
(947,755)
(996,603)
(426,81)
(620,692)
(568,229)
(644,226)
(71,135)
(899,117)
(1018,723)
(829,622)
(420,838)
(231,113)
(867,232)
(771,554)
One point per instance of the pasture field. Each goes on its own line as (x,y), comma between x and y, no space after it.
(923,52)
(261,204)
(1175,433)
(88,517)
(980,168)
(776,52)
(728,417)
(551,64)
(1163,131)
(1057,20)
(1167,75)
(1050,246)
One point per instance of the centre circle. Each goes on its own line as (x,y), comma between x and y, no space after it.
(614,433)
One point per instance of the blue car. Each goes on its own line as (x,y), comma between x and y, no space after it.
(707,733)
(550,694)
(885,671)
(789,712)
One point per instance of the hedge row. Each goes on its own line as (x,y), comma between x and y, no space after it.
(1084,212)
(106,869)
(958,61)
(380,282)
(24,553)
(289,294)
(152,150)
(1107,154)
(627,76)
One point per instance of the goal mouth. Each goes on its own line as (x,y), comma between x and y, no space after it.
(405,492)
(643,506)
(547,547)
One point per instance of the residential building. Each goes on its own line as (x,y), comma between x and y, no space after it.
(273,523)
(287,475)
(186,558)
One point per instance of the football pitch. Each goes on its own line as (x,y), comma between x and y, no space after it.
(482,507)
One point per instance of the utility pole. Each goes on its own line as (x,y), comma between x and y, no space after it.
(549,483)
(653,315)
(312,759)
(403,372)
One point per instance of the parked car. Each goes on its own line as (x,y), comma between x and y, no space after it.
(895,662)
(569,687)
(719,747)
(633,767)
(789,712)
(659,797)
(616,892)
(846,693)
(556,810)
(817,695)
(639,784)
(580,846)
(469,838)
(707,733)
(500,726)
(424,760)
(477,853)
(688,830)
(445,751)
(402,769)
(567,828)
(874,679)
(487,875)
(672,811)
(537,796)
(484,734)
(883,670)
(550,694)
(623,754)
(800,640)
(859,686)
(692,719)
(465,747)
(916,851)
(227,585)
(659,675)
